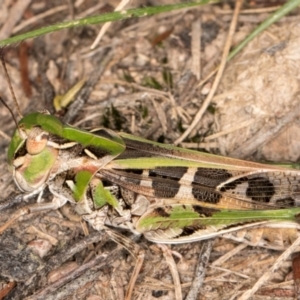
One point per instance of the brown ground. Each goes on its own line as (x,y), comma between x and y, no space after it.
(142,79)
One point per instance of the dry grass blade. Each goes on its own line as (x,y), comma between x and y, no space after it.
(173,269)
(105,27)
(15,15)
(266,276)
(226,50)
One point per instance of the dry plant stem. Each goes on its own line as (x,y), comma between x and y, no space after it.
(156,284)
(280,284)
(116,286)
(167,253)
(251,11)
(135,251)
(84,93)
(211,74)
(196,48)
(229,254)
(71,9)
(38,17)
(11,201)
(15,15)
(11,90)
(104,28)
(228,272)
(284,256)
(237,289)
(267,132)
(242,125)
(200,270)
(91,10)
(160,115)
(40,234)
(92,266)
(164,95)
(137,268)
(56,261)
(79,283)
(54,11)
(124,241)
(14,218)
(29,209)
(218,76)
(63,223)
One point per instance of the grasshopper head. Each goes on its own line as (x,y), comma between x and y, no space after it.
(30,158)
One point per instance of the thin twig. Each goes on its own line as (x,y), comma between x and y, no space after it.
(200,270)
(167,253)
(105,27)
(229,254)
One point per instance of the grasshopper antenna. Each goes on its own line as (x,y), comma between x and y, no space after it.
(11,90)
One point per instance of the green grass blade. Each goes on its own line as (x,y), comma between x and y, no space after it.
(277,15)
(108,17)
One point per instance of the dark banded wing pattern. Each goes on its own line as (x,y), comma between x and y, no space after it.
(161,171)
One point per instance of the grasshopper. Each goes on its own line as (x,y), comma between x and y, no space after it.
(169,194)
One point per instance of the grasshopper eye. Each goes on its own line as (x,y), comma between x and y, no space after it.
(36,141)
